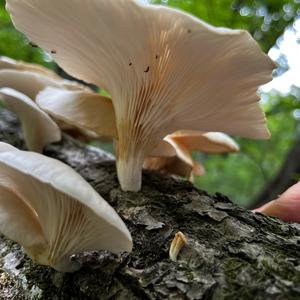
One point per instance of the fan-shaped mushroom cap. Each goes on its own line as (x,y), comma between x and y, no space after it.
(85,110)
(53,212)
(209,142)
(9,63)
(183,143)
(165,70)
(38,128)
(26,82)
(30,81)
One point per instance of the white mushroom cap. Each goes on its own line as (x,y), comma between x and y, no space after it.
(26,82)
(184,143)
(31,83)
(9,63)
(38,128)
(209,142)
(53,212)
(85,110)
(165,70)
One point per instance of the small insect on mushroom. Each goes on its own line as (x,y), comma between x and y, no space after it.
(177,244)
(53,212)
(206,81)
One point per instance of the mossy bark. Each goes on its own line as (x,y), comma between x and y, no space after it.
(231,253)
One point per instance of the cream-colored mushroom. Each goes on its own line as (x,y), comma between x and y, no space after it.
(165,70)
(31,83)
(29,80)
(81,109)
(9,63)
(183,143)
(38,128)
(53,212)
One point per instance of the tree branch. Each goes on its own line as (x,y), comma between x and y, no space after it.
(231,253)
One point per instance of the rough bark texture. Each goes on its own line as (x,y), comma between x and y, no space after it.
(231,253)
(286,177)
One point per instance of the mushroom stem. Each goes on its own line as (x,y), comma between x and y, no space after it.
(130,174)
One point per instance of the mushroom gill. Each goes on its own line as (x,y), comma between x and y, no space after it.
(53,212)
(174,154)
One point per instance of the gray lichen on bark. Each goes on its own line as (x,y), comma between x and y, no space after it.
(231,253)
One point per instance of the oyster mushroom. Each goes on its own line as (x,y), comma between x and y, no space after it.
(165,70)
(81,109)
(30,79)
(38,128)
(183,143)
(53,212)
(12,64)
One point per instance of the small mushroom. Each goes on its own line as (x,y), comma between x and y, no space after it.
(38,128)
(53,212)
(205,80)
(183,143)
(176,246)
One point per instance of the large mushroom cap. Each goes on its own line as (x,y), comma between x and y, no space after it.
(38,128)
(165,70)
(55,213)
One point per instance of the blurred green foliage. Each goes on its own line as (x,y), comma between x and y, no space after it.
(264,19)
(241,176)
(15,45)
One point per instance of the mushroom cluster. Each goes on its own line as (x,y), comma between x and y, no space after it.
(53,212)
(165,70)
(20,85)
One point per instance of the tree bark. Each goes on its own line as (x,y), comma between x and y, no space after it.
(231,252)
(286,177)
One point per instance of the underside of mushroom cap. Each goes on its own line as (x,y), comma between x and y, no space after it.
(84,110)
(165,70)
(73,218)
(174,153)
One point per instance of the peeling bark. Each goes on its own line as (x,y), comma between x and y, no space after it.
(231,253)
